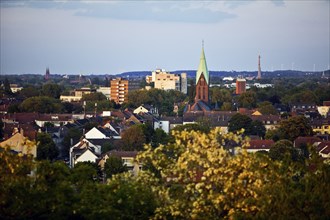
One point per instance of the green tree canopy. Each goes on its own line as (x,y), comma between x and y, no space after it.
(73,135)
(163,100)
(133,138)
(283,149)
(41,104)
(29,91)
(248,100)
(257,128)
(266,108)
(239,121)
(294,127)
(85,172)
(52,90)
(93,97)
(46,148)
(220,95)
(7,89)
(114,165)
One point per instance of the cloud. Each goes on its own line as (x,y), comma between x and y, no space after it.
(160,11)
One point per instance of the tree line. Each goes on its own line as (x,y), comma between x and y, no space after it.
(193,177)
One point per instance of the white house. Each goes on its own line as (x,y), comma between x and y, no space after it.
(162,124)
(85,156)
(140,109)
(96,133)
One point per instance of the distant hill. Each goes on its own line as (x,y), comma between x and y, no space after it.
(265,74)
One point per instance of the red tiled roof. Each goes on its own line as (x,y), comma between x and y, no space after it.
(325,150)
(260,144)
(326,103)
(323,147)
(306,140)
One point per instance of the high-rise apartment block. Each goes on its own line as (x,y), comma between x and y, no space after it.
(167,81)
(240,85)
(119,90)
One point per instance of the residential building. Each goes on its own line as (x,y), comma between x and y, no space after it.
(20,144)
(83,91)
(259,145)
(240,85)
(15,88)
(146,109)
(119,90)
(55,119)
(127,157)
(321,126)
(105,91)
(78,94)
(168,81)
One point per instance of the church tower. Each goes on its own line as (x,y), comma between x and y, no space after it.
(202,80)
(47,74)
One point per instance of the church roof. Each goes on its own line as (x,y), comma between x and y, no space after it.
(202,69)
(200,106)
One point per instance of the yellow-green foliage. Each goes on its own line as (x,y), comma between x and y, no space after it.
(202,180)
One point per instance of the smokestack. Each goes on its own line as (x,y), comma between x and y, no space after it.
(259,68)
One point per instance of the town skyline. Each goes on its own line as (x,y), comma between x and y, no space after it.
(108,37)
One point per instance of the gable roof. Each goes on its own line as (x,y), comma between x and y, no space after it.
(18,143)
(323,147)
(200,106)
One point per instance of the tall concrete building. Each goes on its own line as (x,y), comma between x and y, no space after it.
(167,81)
(119,90)
(240,85)
(202,80)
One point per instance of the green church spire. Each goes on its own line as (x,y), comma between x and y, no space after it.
(202,68)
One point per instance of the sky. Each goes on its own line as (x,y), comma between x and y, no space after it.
(111,37)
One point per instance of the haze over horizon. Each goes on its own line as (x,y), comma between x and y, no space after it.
(111,37)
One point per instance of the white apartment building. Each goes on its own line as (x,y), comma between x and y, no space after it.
(167,81)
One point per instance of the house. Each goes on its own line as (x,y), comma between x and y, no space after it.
(115,128)
(55,132)
(55,119)
(98,133)
(15,88)
(297,107)
(323,148)
(82,154)
(321,126)
(259,145)
(128,158)
(301,141)
(146,109)
(20,143)
(270,121)
(140,109)
(21,118)
(84,151)
(218,119)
